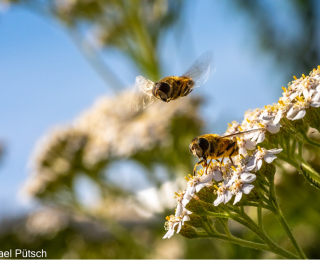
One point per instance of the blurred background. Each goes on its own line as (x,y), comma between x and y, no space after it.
(80,176)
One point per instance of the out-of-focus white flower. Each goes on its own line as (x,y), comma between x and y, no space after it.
(46,222)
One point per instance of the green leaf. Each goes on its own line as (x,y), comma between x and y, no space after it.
(311,175)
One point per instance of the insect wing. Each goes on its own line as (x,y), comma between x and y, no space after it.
(142,94)
(244,133)
(201,69)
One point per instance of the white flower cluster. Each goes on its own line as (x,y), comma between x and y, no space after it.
(301,94)
(235,180)
(231,181)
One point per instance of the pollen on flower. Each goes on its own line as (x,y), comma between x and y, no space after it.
(235,187)
(295,77)
(303,76)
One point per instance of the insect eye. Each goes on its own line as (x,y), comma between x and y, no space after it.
(203,143)
(164,87)
(163,96)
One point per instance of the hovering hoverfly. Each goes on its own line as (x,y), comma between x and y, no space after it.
(213,146)
(173,87)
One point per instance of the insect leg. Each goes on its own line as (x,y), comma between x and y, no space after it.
(231,159)
(198,163)
(221,163)
(208,165)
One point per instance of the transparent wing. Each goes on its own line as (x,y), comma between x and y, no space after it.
(245,132)
(202,68)
(142,94)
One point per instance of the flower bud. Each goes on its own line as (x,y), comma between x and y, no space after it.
(313,118)
(206,195)
(188,232)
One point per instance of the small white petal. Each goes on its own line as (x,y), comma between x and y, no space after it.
(179,227)
(300,114)
(251,164)
(246,188)
(273,128)
(218,200)
(238,197)
(207,178)
(185,218)
(261,138)
(292,112)
(311,92)
(179,210)
(293,96)
(200,186)
(190,191)
(184,202)
(306,93)
(275,151)
(278,117)
(169,233)
(247,178)
(227,196)
(250,145)
(255,136)
(315,104)
(316,97)
(188,212)
(267,117)
(259,164)
(217,176)
(243,151)
(269,158)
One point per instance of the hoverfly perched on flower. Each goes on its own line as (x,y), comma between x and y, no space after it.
(173,87)
(213,147)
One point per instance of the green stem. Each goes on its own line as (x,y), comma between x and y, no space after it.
(249,223)
(224,224)
(293,148)
(308,140)
(273,247)
(216,215)
(285,226)
(259,214)
(300,149)
(254,245)
(277,211)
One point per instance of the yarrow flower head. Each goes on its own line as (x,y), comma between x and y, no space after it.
(173,222)
(257,142)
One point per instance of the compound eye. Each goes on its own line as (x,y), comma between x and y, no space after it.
(163,96)
(204,144)
(164,87)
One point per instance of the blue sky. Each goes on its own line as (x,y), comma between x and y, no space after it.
(45,81)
